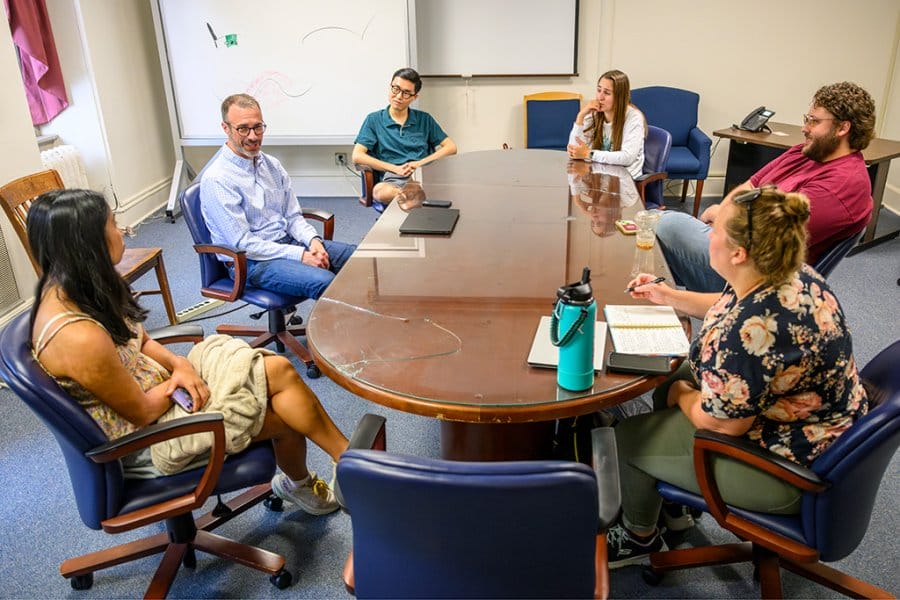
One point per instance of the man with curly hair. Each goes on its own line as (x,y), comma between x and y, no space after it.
(828,168)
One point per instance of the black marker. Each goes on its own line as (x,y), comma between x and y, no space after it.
(212,33)
(632,288)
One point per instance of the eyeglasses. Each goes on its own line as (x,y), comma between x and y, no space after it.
(244,130)
(405,94)
(813,121)
(748,198)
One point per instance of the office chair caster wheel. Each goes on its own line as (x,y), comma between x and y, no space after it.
(190,559)
(313,372)
(274,503)
(295,320)
(82,582)
(650,576)
(282,579)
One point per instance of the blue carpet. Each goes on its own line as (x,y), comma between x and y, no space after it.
(41,526)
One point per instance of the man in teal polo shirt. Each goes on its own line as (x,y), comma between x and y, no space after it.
(399,139)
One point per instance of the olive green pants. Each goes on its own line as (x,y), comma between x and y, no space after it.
(660,446)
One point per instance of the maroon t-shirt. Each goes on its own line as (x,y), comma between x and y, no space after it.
(839,192)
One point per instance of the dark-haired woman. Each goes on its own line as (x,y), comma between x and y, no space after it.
(87,334)
(609,129)
(773,362)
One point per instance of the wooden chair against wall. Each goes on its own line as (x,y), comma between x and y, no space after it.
(17,197)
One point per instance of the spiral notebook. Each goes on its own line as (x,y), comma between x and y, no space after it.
(544,354)
(646,329)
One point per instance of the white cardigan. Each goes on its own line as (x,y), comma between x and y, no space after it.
(632,153)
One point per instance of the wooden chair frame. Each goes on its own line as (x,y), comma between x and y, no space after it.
(17,197)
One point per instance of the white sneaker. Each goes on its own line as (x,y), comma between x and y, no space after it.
(312,494)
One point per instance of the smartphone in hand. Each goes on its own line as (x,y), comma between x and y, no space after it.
(183,399)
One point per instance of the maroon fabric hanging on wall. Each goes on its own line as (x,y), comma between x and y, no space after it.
(41,73)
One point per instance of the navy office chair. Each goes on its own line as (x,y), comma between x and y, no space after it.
(429,528)
(657,146)
(675,111)
(218,284)
(828,261)
(107,500)
(839,493)
(548,119)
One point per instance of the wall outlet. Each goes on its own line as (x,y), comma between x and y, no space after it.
(340,158)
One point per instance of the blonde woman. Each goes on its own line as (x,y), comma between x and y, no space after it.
(773,362)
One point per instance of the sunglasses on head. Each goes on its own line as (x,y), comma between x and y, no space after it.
(748,198)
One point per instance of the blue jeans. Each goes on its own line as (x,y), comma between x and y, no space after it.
(294,278)
(684,241)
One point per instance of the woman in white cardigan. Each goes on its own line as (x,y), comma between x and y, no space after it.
(608,129)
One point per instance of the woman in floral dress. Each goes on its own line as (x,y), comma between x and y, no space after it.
(773,362)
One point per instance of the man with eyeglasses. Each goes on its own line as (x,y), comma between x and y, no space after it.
(828,168)
(248,203)
(399,139)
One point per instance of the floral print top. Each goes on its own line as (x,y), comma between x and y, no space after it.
(783,355)
(146,371)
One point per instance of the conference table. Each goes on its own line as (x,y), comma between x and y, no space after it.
(441,326)
(749,151)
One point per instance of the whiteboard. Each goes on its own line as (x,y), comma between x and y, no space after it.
(496,37)
(317,67)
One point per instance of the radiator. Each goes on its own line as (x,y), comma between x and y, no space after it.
(9,290)
(67,162)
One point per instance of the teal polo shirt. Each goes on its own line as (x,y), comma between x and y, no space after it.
(386,140)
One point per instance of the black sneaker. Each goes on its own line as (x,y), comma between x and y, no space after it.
(622,549)
(677,517)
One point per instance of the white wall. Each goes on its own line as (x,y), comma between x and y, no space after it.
(791,49)
(116,92)
(117,117)
(890,127)
(22,156)
(129,87)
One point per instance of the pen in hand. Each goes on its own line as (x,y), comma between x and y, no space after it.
(634,287)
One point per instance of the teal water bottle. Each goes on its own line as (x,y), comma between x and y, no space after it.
(572,331)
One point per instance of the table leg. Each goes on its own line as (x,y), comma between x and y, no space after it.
(496,441)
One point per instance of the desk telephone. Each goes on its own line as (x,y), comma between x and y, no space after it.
(756,120)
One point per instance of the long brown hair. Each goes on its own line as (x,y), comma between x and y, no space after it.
(621,98)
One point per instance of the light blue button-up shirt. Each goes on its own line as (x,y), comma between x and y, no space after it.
(249,204)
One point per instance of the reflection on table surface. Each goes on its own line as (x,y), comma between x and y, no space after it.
(442,325)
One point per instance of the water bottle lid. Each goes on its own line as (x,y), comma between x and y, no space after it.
(579,292)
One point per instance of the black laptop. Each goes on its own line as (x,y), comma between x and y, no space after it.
(430,220)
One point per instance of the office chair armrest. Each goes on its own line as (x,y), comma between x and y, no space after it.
(605,461)
(153,434)
(641,182)
(197,423)
(700,144)
(176,334)
(239,257)
(324,217)
(753,454)
(368,182)
(707,445)
(369,433)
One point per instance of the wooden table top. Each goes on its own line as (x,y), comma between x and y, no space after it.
(441,325)
(785,136)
